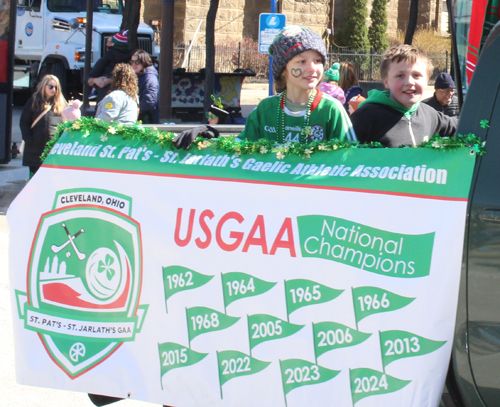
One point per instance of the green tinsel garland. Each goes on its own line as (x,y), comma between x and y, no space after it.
(165,140)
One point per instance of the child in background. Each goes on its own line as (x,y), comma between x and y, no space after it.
(395,116)
(330,84)
(349,83)
(300,113)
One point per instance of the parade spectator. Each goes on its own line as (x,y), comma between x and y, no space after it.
(39,119)
(121,105)
(100,75)
(148,86)
(396,116)
(217,115)
(444,99)
(330,84)
(348,81)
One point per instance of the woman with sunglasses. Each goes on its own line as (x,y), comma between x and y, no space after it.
(148,86)
(39,119)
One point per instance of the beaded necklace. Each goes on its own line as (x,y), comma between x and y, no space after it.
(306,129)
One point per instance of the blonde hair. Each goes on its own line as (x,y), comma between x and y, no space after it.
(347,75)
(40,100)
(405,53)
(124,78)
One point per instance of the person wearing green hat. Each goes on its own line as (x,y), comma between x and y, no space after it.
(330,84)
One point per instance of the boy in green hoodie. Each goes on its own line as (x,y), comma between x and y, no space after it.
(395,116)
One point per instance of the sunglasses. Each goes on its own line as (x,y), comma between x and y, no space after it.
(52,87)
(135,62)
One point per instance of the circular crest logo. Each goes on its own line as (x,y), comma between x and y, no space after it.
(29,29)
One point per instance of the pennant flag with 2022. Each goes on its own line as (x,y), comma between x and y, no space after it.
(298,372)
(237,285)
(401,344)
(174,355)
(332,335)
(301,293)
(179,278)
(368,382)
(262,328)
(233,363)
(201,320)
(373,300)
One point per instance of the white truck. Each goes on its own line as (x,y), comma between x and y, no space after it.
(50,38)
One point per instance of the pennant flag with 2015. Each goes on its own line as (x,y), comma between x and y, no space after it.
(174,355)
(262,328)
(368,382)
(332,335)
(373,300)
(301,293)
(201,320)
(178,278)
(233,363)
(240,285)
(401,344)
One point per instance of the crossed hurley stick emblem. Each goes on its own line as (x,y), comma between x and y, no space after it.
(57,249)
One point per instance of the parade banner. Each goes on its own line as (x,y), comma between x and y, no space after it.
(207,278)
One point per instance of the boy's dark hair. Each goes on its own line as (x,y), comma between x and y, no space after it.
(405,53)
(144,58)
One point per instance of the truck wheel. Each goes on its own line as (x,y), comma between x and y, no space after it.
(59,70)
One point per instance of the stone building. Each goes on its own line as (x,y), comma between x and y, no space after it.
(237,19)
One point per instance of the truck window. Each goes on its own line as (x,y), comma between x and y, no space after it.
(76,6)
(35,5)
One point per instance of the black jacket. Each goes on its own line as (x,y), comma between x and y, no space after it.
(449,110)
(36,138)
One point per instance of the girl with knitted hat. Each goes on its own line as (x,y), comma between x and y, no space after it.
(300,112)
(330,84)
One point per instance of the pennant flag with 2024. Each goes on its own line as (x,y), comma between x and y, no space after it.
(368,382)
(233,363)
(262,328)
(301,293)
(174,355)
(332,335)
(201,320)
(401,344)
(179,278)
(240,285)
(373,300)
(297,372)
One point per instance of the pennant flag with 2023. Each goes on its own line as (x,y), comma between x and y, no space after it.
(201,320)
(174,355)
(301,293)
(332,335)
(179,278)
(298,372)
(373,300)
(262,328)
(233,363)
(401,344)
(240,285)
(368,382)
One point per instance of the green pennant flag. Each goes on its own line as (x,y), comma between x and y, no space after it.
(201,320)
(178,278)
(174,355)
(240,285)
(301,293)
(297,372)
(262,328)
(373,300)
(401,344)
(332,335)
(233,363)
(368,382)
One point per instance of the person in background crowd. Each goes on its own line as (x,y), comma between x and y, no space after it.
(100,75)
(444,99)
(39,119)
(330,84)
(121,104)
(354,103)
(349,83)
(216,115)
(148,86)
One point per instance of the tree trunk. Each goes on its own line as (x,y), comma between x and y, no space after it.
(412,23)
(210,54)
(130,22)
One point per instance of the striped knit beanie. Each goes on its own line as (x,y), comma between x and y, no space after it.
(120,40)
